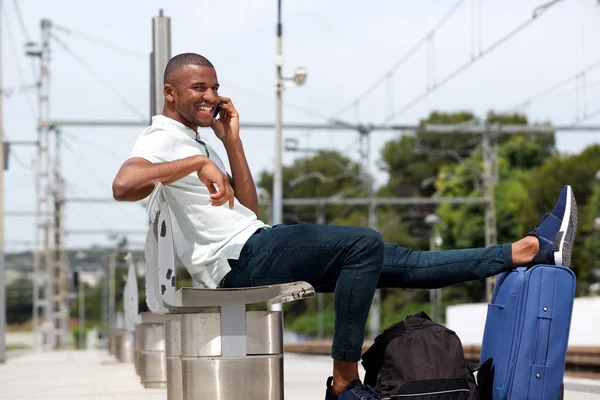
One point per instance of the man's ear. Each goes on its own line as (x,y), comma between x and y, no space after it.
(170,92)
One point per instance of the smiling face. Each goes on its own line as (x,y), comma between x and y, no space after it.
(192,95)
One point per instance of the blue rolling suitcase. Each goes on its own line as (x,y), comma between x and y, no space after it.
(527,331)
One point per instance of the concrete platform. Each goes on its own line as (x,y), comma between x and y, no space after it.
(95,375)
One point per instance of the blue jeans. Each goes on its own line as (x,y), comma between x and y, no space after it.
(352,262)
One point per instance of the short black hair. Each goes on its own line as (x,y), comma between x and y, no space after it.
(180,61)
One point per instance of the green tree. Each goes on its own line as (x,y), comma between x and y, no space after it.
(590,232)
(411,161)
(326,174)
(19,301)
(543,185)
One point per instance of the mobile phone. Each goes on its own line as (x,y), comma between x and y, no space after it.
(217,109)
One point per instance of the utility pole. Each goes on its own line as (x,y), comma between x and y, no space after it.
(277,206)
(365,153)
(490,175)
(320,315)
(281,83)
(42,280)
(60,286)
(2,272)
(81,298)
(112,264)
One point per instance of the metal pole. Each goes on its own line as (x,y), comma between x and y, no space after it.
(277,206)
(491,236)
(81,296)
(161,54)
(365,139)
(278,173)
(43,280)
(2,272)
(112,263)
(320,316)
(432,294)
(61,282)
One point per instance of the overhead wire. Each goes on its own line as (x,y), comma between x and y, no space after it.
(25,33)
(7,92)
(406,57)
(402,60)
(537,12)
(99,76)
(99,180)
(91,145)
(553,87)
(85,164)
(99,41)
(17,58)
(305,110)
(21,23)
(21,163)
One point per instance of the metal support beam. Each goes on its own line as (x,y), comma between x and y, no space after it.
(20,213)
(312,201)
(106,232)
(22,142)
(397,201)
(341,126)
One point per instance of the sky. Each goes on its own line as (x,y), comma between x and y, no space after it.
(346,46)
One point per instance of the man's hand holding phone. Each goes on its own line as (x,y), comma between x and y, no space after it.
(211,175)
(227,127)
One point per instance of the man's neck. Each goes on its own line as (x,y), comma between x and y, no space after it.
(175,116)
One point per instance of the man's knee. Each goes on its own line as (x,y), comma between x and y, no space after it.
(372,239)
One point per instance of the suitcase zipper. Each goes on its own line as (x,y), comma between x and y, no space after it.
(523,284)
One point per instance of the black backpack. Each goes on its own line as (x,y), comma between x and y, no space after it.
(420,359)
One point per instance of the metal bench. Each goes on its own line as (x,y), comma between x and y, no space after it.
(146,330)
(224,351)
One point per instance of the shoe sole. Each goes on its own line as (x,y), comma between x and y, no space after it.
(563,243)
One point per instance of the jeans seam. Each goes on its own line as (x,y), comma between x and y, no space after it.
(440,263)
(350,308)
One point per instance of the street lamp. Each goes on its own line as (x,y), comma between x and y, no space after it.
(282,83)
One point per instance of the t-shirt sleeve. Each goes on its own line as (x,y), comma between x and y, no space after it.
(153,147)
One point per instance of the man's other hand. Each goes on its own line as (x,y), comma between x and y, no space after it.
(211,175)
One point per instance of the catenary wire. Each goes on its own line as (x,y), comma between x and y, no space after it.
(537,12)
(105,81)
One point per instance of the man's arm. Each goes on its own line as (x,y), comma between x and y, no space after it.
(242,181)
(137,177)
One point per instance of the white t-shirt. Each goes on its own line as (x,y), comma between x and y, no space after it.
(204,236)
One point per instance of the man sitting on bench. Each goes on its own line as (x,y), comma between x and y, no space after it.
(219,239)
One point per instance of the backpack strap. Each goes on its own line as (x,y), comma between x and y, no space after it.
(484,378)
